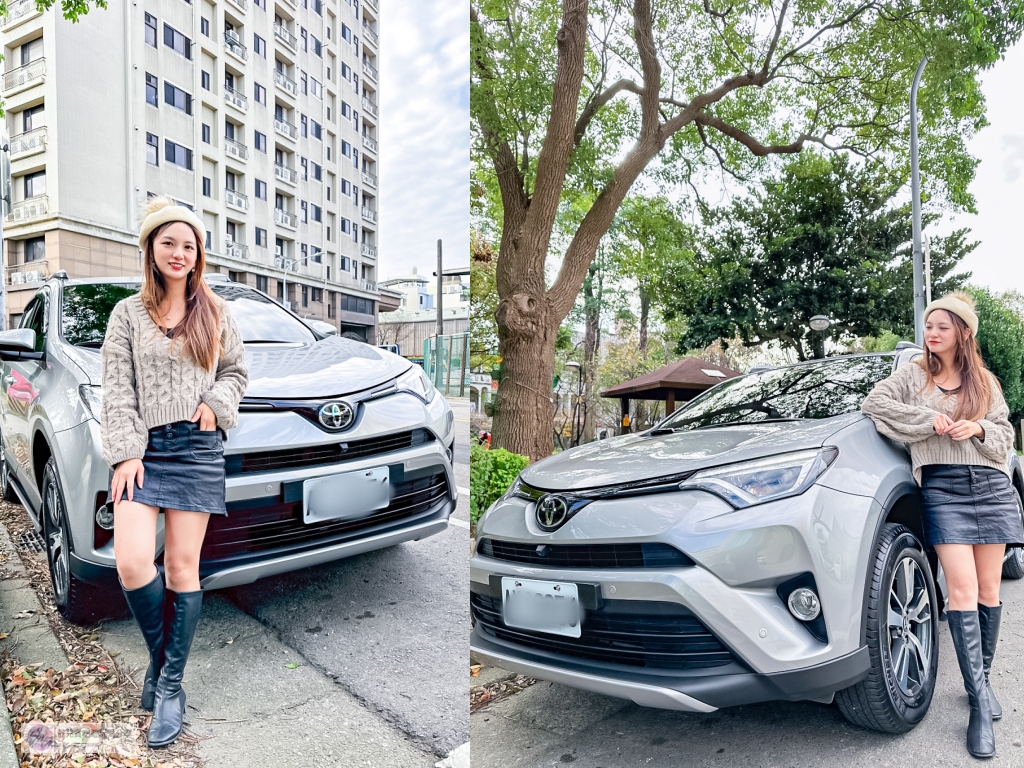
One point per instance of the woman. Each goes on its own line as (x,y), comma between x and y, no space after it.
(951,411)
(173,375)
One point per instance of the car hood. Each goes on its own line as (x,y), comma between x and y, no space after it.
(326,368)
(637,457)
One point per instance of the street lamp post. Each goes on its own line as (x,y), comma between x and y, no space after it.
(819,324)
(915,193)
(286,264)
(579,397)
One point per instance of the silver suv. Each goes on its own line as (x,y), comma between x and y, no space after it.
(340,448)
(764,542)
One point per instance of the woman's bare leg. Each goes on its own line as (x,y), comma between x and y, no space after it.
(988,560)
(961,575)
(135,543)
(183,538)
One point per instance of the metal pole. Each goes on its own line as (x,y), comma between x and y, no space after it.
(5,194)
(928,269)
(440,320)
(915,191)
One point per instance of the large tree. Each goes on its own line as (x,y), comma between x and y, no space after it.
(573,99)
(819,239)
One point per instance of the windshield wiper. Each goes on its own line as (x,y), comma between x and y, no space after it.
(90,344)
(736,423)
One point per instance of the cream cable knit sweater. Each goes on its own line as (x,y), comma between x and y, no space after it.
(145,385)
(903,412)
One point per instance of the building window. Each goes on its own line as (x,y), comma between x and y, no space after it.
(346,148)
(259,45)
(207,186)
(346,110)
(204,26)
(317,295)
(261,189)
(229,180)
(261,141)
(305,168)
(356,304)
(233,276)
(260,94)
(206,133)
(152,149)
(318,6)
(316,213)
(35,184)
(204,80)
(151,89)
(345,227)
(346,187)
(177,98)
(346,34)
(315,45)
(317,171)
(330,305)
(151,30)
(32,118)
(302,34)
(302,124)
(315,129)
(328,153)
(345,263)
(261,238)
(177,42)
(328,240)
(177,155)
(261,283)
(302,82)
(305,214)
(260,4)
(35,249)
(328,200)
(316,88)
(305,294)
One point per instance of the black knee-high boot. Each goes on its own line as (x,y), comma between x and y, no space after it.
(989,619)
(169,708)
(147,606)
(966,633)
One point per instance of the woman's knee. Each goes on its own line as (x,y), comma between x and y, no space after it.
(134,571)
(181,566)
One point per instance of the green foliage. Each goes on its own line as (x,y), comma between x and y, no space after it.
(490,475)
(884,342)
(1001,340)
(483,301)
(821,238)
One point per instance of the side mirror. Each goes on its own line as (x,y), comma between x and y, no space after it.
(19,344)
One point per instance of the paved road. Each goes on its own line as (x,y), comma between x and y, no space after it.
(551,725)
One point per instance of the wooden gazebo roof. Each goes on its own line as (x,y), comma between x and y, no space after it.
(681,380)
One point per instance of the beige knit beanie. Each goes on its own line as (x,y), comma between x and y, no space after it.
(161,210)
(960,304)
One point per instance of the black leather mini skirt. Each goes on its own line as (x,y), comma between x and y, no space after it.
(184,469)
(965,504)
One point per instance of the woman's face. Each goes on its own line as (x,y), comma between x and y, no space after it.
(940,333)
(174,251)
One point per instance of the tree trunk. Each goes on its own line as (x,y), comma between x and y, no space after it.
(645,310)
(591,345)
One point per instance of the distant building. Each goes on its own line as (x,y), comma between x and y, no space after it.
(415,320)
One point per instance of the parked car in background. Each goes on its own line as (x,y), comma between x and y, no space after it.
(762,543)
(321,327)
(340,448)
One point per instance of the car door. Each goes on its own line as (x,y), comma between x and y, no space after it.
(21,389)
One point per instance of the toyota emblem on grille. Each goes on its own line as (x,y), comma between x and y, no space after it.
(336,414)
(552,511)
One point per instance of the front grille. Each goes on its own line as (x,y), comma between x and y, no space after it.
(653,555)
(638,633)
(315,455)
(255,526)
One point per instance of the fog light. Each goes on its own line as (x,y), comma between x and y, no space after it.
(804,604)
(105,517)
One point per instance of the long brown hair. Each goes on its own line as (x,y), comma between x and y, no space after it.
(975,394)
(199,329)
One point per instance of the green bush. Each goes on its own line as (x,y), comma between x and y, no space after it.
(490,475)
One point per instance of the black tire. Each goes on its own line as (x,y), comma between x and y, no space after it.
(7,492)
(1013,564)
(887,700)
(77,602)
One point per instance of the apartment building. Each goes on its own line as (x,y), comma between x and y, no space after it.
(261,115)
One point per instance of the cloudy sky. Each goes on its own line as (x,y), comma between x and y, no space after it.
(998,187)
(424,141)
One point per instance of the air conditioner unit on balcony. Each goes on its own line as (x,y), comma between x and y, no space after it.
(277,252)
(229,240)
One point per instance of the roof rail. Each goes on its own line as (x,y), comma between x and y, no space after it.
(906,345)
(217,277)
(60,274)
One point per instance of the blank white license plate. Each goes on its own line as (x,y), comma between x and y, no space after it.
(543,606)
(348,496)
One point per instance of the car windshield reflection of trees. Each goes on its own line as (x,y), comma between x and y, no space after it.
(811,391)
(86,308)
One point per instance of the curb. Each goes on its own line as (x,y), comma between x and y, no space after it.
(28,632)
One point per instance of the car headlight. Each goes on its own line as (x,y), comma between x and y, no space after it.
(756,482)
(415,381)
(92,399)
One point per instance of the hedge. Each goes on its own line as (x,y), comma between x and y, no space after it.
(490,475)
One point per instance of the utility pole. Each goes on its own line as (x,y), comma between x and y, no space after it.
(440,317)
(5,206)
(915,191)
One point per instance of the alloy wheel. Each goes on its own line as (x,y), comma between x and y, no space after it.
(910,630)
(56,546)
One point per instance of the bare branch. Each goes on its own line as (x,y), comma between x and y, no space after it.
(714,149)
(720,14)
(599,101)
(834,25)
(775,37)
(756,148)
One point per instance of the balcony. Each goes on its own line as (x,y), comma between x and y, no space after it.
(235,250)
(28,275)
(29,209)
(281,33)
(238,100)
(236,149)
(286,219)
(370,70)
(368,250)
(236,200)
(18,12)
(369,106)
(28,143)
(368,285)
(370,179)
(370,36)
(24,77)
(369,215)
(285,128)
(284,173)
(233,45)
(285,83)
(372,4)
(369,143)
(242,5)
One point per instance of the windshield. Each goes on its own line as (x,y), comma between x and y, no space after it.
(813,391)
(86,308)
